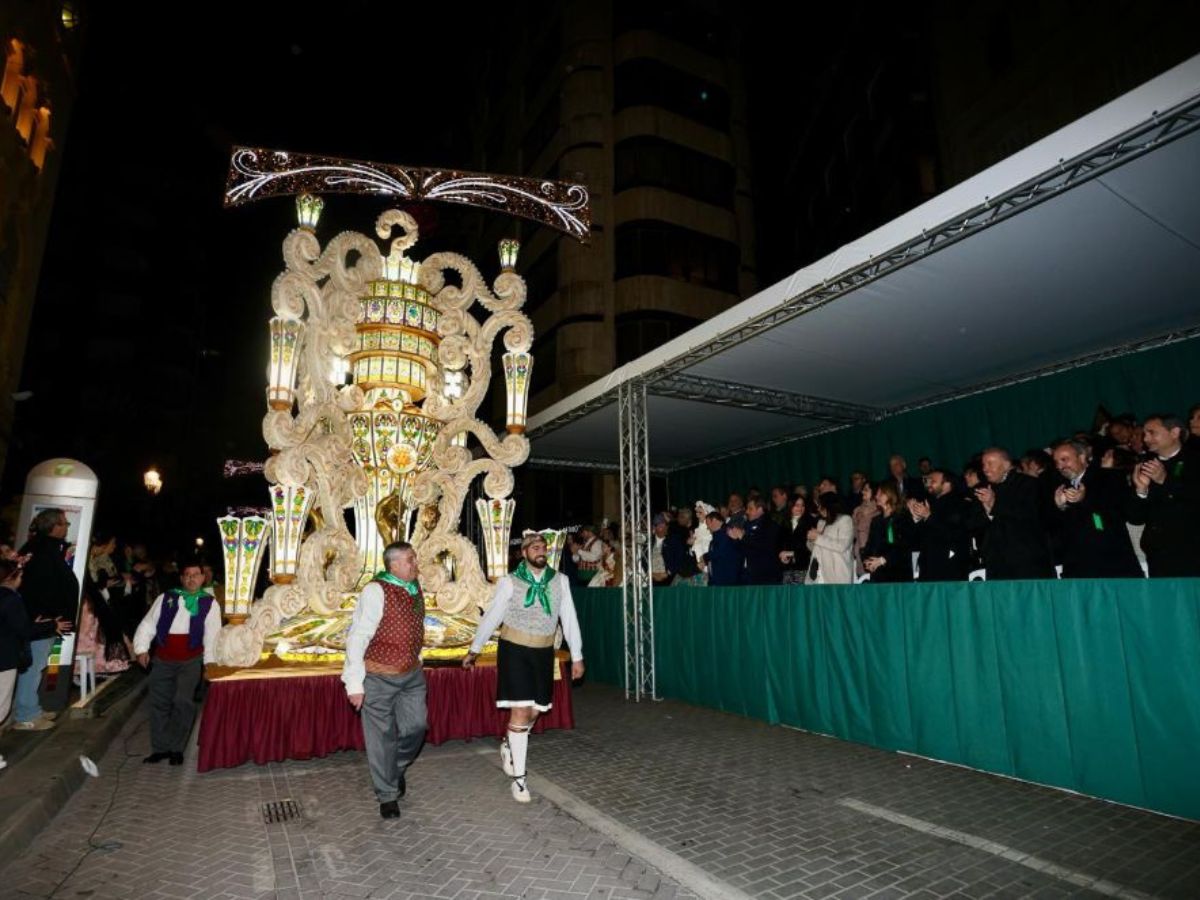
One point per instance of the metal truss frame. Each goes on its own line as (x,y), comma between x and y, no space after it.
(748,396)
(1161,128)
(554,463)
(637,587)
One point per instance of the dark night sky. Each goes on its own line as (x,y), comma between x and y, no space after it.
(138,228)
(148,342)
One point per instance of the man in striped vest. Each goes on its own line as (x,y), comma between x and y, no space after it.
(383,674)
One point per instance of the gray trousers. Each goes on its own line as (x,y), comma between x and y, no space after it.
(393,719)
(172,687)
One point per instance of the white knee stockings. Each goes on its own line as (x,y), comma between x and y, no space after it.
(518,745)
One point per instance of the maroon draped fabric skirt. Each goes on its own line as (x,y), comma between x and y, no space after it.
(273,719)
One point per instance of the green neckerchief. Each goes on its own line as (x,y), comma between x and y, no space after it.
(537,589)
(414,589)
(891,534)
(191,600)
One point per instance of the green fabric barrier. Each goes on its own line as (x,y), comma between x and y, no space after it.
(1017,417)
(599,612)
(1092,686)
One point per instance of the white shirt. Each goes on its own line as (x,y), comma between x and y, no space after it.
(587,554)
(368,613)
(494,617)
(144,636)
(657,564)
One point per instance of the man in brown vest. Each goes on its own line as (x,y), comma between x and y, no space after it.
(383,674)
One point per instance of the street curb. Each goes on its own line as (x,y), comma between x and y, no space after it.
(53,787)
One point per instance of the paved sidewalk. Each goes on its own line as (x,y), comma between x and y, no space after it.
(642,800)
(780,813)
(162,832)
(43,767)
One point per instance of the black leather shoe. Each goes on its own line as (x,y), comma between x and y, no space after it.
(389,810)
(156,758)
(403,787)
(177,759)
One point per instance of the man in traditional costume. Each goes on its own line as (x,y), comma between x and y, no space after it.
(383,674)
(181,627)
(527,606)
(590,555)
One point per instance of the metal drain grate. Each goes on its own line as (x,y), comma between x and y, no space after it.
(277,811)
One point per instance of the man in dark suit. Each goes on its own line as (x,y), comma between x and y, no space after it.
(780,505)
(668,553)
(907,487)
(1166,499)
(1014,541)
(943,538)
(725,559)
(1039,465)
(1089,518)
(858,480)
(760,544)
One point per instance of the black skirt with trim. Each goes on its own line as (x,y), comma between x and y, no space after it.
(524,674)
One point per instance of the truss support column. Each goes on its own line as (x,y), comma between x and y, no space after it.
(637,587)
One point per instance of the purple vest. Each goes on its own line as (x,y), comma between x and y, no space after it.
(166,615)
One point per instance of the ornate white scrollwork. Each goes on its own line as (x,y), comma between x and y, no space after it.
(312,445)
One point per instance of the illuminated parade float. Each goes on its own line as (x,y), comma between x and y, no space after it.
(378,363)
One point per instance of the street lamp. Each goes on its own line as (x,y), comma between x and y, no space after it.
(152,480)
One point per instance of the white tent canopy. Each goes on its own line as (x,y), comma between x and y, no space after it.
(1083,245)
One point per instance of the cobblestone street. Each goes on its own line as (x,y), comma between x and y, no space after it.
(649,800)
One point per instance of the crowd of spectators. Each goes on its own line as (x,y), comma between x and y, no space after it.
(1121,500)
